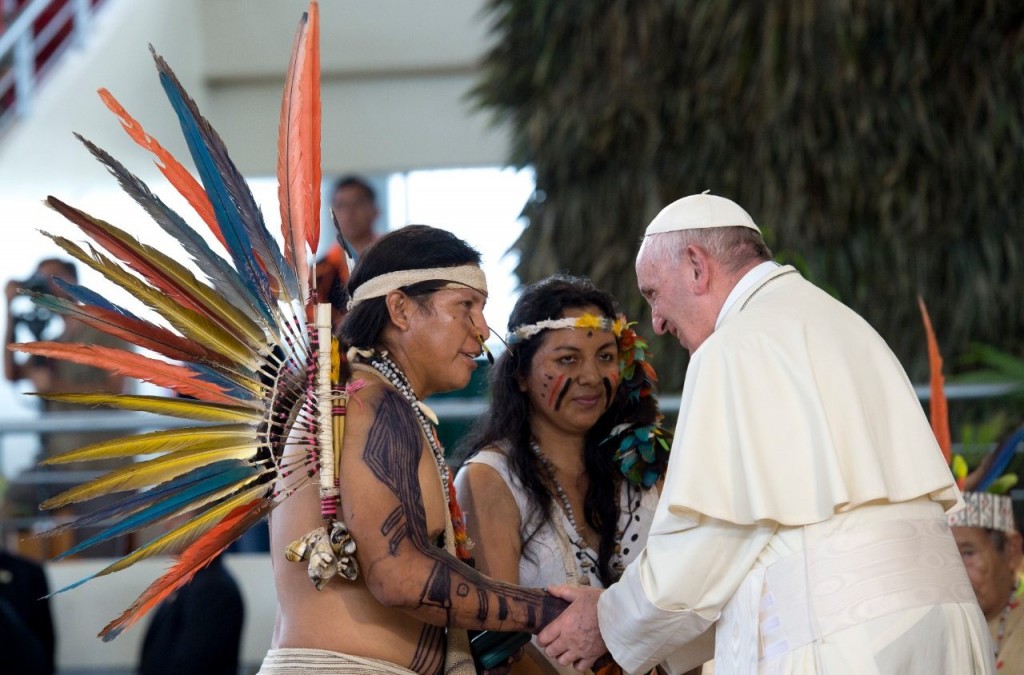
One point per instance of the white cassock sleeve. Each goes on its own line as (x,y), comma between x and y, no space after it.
(675,590)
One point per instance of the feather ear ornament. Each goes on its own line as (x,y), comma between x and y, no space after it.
(232,342)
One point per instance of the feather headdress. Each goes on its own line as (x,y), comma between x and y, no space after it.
(232,343)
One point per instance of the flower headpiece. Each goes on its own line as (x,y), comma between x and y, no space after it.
(641,443)
(589,321)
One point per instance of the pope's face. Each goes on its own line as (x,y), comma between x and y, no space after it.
(990,570)
(674,308)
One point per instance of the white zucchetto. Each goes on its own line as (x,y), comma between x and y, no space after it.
(700,211)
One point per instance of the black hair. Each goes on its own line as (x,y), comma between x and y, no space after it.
(411,247)
(508,420)
(353,180)
(68,266)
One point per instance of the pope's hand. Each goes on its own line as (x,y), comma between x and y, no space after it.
(574,637)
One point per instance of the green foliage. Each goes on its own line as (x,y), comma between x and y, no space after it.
(882,141)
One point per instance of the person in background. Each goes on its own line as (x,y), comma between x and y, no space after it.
(29,642)
(354,210)
(990,544)
(53,276)
(198,630)
(549,495)
(802,525)
(354,204)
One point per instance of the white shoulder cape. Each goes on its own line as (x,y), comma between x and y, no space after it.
(795,409)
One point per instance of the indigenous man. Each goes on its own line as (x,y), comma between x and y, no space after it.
(415,326)
(990,545)
(803,512)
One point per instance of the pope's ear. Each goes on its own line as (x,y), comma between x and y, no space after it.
(398,304)
(698,269)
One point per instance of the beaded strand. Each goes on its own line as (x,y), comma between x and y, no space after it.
(394,375)
(587,562)
(1011,604)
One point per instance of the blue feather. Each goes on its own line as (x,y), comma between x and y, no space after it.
(132,503)
(85,296)
(1003,455)
(226,211)
(231,388)
(216,269)
(237,212)
(167,506)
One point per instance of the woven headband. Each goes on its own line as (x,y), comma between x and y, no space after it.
(984,509)
(470,276)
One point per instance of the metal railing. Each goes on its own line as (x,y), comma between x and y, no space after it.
(449,410)
(39,31)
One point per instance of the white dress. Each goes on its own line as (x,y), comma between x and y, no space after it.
(549,553)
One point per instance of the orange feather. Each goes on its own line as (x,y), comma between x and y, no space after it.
(122,362)
(939,407)
(178,175)
(312,83)
(293,190)
(197,556)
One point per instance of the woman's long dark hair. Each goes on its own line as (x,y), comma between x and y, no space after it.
(508,420)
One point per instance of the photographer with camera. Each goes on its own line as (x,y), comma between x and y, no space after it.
(52,376)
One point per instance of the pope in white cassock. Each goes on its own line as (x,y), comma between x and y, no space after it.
(802,526)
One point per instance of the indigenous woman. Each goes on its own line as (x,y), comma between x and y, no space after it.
(561,483)
(414,328)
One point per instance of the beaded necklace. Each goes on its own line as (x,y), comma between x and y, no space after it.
(1011,604)
(380,362)
(587,562)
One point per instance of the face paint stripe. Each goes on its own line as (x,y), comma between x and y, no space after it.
(554,391)
(561,395)
(607,391)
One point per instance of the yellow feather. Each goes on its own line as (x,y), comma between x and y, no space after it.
(190,323)
(185,534)
(253,333)
(144,474)
(160,405)
(168,440)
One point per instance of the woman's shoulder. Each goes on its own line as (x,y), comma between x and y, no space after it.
(494,455)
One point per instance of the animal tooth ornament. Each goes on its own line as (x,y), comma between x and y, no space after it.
(260,381)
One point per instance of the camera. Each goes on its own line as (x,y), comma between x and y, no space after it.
(25,312)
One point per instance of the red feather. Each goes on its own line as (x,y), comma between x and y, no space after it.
(939,407)
(107,236)
(145,335)
(181,379)
(298,168)
(197,556)
(311,81)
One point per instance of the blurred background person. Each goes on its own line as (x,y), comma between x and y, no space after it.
(354,210)
(45,375)
(548,491)
(29,642)
(990,545)
(354,205)
(198,629)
